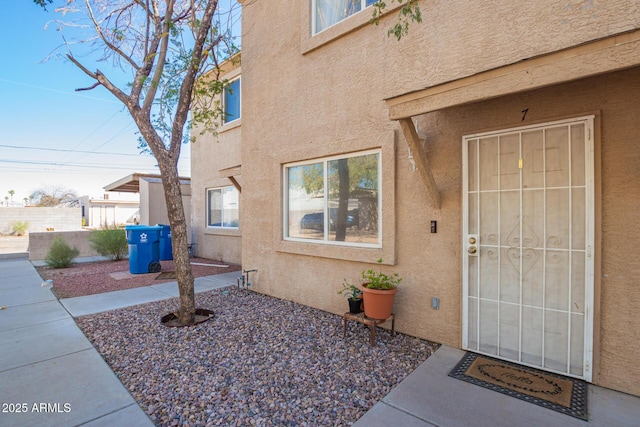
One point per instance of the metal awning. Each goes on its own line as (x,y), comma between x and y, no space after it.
(131,183)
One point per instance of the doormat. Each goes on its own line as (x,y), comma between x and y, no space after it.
(166,275)
(562,394)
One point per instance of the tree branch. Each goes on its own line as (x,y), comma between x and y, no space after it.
(104,81)
(93,86)
(164,43)
(107,42)
(186,89)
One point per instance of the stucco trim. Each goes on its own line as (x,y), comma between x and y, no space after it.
(310,42)
(606,55)
(421,160)
(226,127)
(221,231)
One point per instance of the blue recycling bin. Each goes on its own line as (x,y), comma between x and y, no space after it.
(166,247)
(144,248)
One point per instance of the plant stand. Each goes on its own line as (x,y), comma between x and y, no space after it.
(371,323)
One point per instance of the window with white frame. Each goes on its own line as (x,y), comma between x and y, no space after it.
(334,200)
(223,207)
(231,101)
(329,12)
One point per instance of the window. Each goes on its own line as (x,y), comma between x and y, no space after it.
(222,204)
(329,12)
(231,101)
(334,200)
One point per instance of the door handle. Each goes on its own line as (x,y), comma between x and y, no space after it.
(472,250)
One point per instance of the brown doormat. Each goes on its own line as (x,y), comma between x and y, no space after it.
(166,275)
(562,394)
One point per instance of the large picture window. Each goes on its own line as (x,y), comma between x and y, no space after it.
(231,101)
(222,206)
(334,200)
(329,12)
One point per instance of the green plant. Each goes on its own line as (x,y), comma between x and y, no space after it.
(110,241)
(60,254)
(349,290)
(19,228)
(379,280)
(409,12)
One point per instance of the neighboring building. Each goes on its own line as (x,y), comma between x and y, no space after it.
(153,206)
(216,178)
(108,211)
(489,157)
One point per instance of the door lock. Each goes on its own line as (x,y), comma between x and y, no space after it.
(472,247)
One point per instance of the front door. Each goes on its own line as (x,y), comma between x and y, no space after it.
(528,225)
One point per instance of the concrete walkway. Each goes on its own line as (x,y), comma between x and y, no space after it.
(14,247)
(90,304)
(50,374)
(50,369)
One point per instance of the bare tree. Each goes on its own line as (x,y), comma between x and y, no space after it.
(165,46)
(52,196)
(168,46)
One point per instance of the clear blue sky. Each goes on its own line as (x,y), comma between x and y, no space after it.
(58,132)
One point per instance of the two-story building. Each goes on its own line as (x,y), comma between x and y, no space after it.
(489,157)
(216,177)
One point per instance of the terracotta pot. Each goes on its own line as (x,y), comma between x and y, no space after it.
(378,303)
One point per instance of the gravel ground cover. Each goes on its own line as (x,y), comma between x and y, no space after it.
(88,278)
(261,361)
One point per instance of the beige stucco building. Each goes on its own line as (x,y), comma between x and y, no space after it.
(216,181)
(490,160)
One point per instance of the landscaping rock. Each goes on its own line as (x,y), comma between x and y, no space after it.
(261,361)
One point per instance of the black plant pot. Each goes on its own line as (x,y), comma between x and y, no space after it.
(355,306)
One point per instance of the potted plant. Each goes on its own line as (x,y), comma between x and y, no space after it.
(354,296)
(379,290)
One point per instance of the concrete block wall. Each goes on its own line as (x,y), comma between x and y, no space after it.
(40,219)
(40,242)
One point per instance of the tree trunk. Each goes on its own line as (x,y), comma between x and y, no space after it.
(179,238)
(343,200)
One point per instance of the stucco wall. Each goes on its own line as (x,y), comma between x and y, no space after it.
(456,38)
(40,243)
(153,206)
(39,219)
(333,87)
(613,98)
(209,155)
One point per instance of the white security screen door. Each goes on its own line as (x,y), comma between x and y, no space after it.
(528,207)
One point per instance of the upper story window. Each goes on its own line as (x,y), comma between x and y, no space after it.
(334,200)
(231,101)
(329,12)
(223,207)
